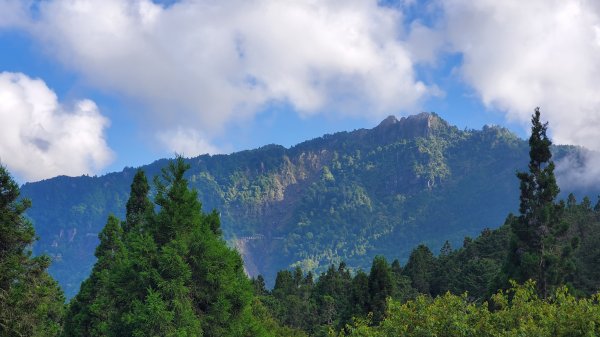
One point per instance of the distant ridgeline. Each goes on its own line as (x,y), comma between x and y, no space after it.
(347,196)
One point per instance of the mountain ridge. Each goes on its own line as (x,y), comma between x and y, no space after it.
(343,196)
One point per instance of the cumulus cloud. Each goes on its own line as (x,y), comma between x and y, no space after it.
(213,62)
(522,54)
(186,142)
(40,138)
(206,64)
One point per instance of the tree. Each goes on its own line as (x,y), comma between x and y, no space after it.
(403,289)
(92,312)
(31,303)
(420,267)
(359,294)
(139,208)
(536,253)
(517,312)
(124,270)
(381,286)
(259,285)
(165,274)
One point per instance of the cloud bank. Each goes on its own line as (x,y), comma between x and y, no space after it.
(41,138)
(207,64)
(197,66)
(521,54)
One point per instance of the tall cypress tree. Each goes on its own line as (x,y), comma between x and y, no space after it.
(536,253)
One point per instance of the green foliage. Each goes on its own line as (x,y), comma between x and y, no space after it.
(31,303)
(164,274)
(516,312)
(335,298)
(535,252)
(343,197)
(381,286)
(139,208)
(473,270)
(420,267)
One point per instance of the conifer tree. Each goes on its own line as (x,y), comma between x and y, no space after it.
(403,289)
(139,208)
(359,294)
(536,253)
(381,287)
(92,311)
(165,274)
(31,303)
(260,287)
(420,267)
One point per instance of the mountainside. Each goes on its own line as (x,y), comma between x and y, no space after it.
(347,196)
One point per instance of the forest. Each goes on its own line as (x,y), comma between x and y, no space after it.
(348,196)
(165,269)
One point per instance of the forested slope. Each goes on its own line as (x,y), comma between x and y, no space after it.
(347,196)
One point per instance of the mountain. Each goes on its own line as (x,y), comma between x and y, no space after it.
(347,196)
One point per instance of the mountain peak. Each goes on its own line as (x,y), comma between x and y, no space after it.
(420,125)
(390,120)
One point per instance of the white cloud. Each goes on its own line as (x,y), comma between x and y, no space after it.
(580,169)
(186,142)
(521,54)
(206,64)
(40,138)
(210,63)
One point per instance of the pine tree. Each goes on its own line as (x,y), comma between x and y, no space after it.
(536,253)
(31,303)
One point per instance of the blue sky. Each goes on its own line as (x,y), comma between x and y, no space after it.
(92,86)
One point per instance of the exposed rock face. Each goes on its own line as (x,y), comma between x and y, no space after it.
(422,125)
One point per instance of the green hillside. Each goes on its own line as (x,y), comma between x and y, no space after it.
(347,196)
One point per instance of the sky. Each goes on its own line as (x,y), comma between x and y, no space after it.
(92,86)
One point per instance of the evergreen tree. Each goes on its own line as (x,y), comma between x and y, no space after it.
(92,312)
(446,249)
(139,208)
(403,289)
(31,303)
(359,294)
(124,271)
(165,274)
(420,268)
(381,287)
(260,287)
(284,284)
(536,253)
